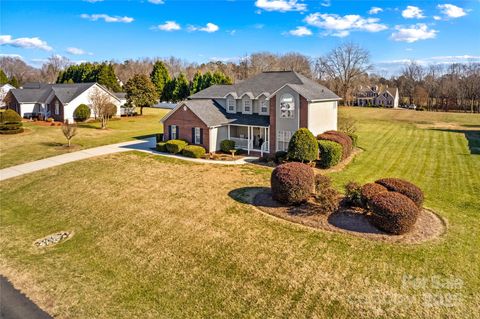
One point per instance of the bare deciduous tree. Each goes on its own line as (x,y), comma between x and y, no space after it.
(69,131)
(102,105)
(343,65)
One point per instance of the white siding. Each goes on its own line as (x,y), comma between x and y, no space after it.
(322,116)
(26,108)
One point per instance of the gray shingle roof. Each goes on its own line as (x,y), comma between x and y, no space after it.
(213,114)
(269,82)
(39,92)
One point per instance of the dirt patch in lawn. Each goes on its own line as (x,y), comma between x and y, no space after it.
(429,225)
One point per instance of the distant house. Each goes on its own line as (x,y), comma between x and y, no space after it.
(58,101)
(4,89)
(371,96)
(260,114)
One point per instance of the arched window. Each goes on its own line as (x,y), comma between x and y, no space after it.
(231,105)
(287,106)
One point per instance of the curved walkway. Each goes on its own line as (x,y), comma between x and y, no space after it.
(144,145)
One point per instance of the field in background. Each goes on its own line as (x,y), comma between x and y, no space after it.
(156,237)
(38,142)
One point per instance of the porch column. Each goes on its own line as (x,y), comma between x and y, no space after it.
(248,140)
(228,131)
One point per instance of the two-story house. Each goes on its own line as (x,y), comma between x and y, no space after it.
(260,114)
(372,96)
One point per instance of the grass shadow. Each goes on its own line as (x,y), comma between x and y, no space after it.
(472,136)
(245,195)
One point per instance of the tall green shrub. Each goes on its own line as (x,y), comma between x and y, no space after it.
(330,153)
(303,146)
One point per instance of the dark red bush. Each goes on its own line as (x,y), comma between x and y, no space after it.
(292,183)
(322,182)
(369,191)
(393,212)
(403,187)
(341,138)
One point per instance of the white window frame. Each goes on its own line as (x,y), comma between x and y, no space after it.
(173,132)
(287,113)
(231,102)
(57,108)
(197,137)
(264,104)
(283,138)
(251,106)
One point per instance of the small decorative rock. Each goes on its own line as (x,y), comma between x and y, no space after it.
(52,239)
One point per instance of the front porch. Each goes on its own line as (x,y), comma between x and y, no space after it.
(250,138)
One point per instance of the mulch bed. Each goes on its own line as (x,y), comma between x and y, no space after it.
(351,221)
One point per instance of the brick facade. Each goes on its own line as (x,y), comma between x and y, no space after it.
(303,112)
(185,120)
(273,124)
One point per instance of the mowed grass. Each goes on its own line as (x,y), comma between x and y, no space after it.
(157,238)
(38,142)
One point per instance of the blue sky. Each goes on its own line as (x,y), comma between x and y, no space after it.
(97,30)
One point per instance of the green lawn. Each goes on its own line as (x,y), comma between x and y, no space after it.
(45,141)
(161,238)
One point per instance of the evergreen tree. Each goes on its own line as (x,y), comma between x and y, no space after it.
(159,77)
(207,80)
(106,76)
(182,88)
(14,82)
(3,77)
(197,82)
(102,73)
(168,90)
(141,92)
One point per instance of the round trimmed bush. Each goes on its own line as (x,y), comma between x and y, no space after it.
(194,151)
(175,146)
(10,116)
(292,183)
(369,190)
(393,212)
(330,153)
(227,145)
(81,113)
(280,157)
(403,187)
(303,146)
(341,138)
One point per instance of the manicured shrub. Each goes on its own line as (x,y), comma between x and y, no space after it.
(330,153)
(81,113)
(281,157)
(369,190)
(292,183)
(403,187)
(227,145)
(353,193)
(10,116)
(5,132)
(194,151)
(50,120)
(175,146)
(303,146)
(161,147)
(322,182)
(11,128)
(341,138)
(393,212)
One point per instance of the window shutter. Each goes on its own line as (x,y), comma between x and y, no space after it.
(169,132)
(178,132)
(201,135)
(193,135)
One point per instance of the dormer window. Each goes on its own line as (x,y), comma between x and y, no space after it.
(247,106)
(287,107)
(264,107)
(231,105)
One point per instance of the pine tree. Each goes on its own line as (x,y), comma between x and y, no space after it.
(159,77)
(182,88)
(167,94)
(14,82)
(197,82)
(3,77)
(106,76)
(207,80)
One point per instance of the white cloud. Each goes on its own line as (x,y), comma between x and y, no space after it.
(452,11)
(77,51)
(226,59)
(326,3)
(375,10)
(437,18)
(341,26)
(156,1)
(300,32)
(106,18)
(413,33)
(210,27)
(11,55)
(280,5)
(412,12)
(168,26)
(26,43)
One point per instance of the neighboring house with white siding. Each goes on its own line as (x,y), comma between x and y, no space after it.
(260,114)
(375,96)
(4,89)
(58,101)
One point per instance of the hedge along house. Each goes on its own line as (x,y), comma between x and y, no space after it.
(260,114)
(58,101)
